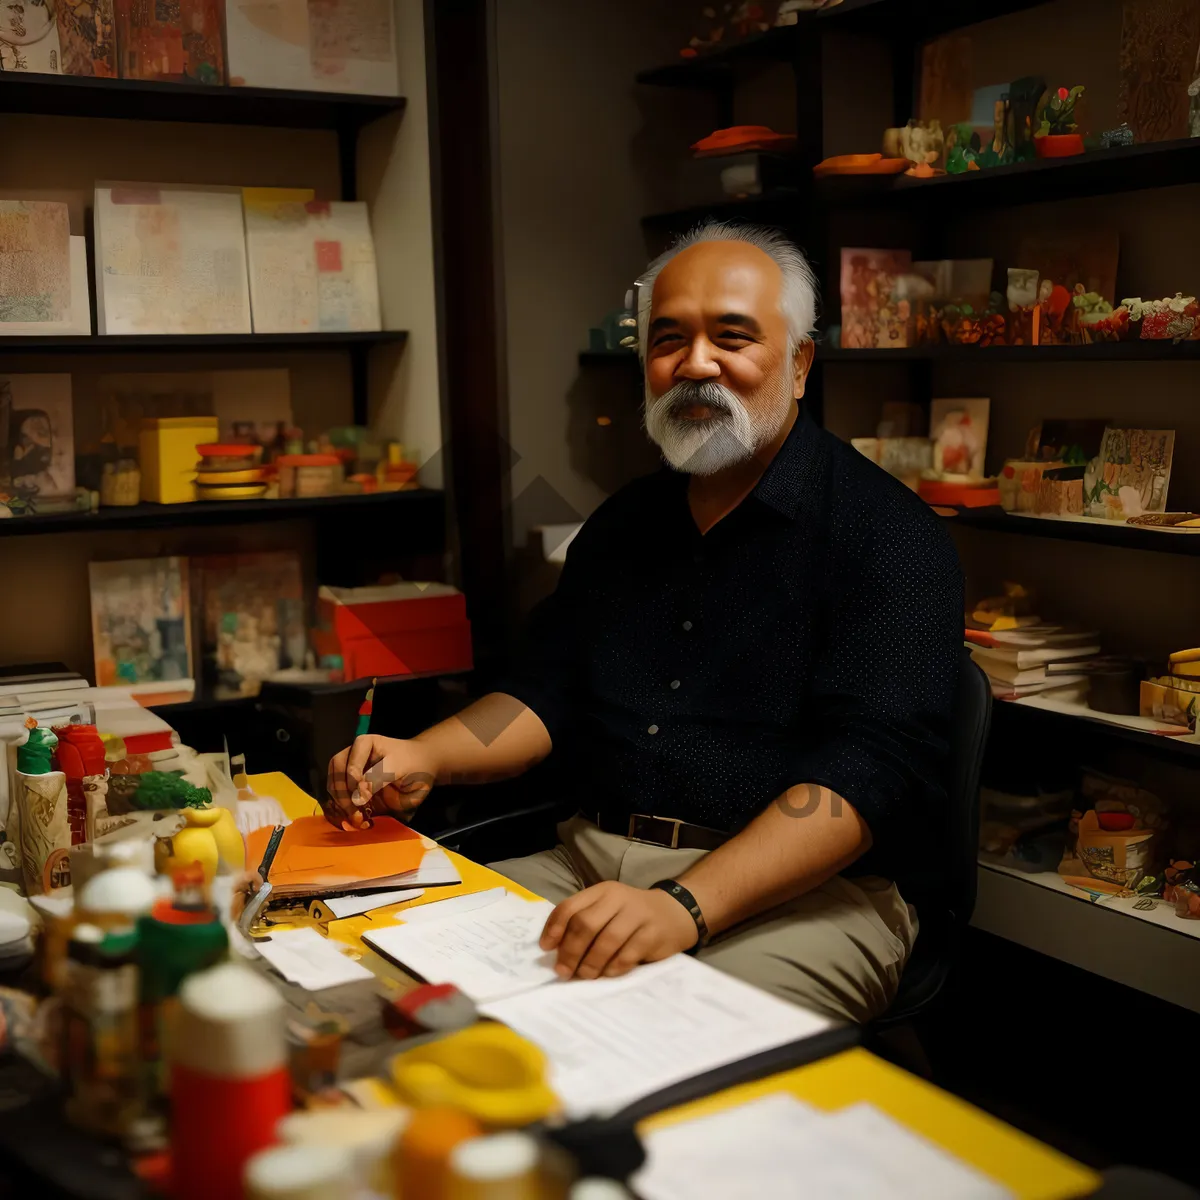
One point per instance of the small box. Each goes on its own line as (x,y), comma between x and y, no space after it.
(168,456)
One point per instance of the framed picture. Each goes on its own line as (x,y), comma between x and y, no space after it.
(37,442)
(959,432)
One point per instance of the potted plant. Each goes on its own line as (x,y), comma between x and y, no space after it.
(1058,134)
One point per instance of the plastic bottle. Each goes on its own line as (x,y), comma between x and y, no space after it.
(368,1135)
(229,1079)
(423,1151)
(501,1167)
(100,1037)
(300,1173)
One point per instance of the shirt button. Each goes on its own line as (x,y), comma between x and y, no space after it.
(687,625)
(653,729)
(674,684)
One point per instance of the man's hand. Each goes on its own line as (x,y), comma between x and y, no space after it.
(610,928)
(378,775)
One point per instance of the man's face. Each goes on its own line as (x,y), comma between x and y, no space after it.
(720,381)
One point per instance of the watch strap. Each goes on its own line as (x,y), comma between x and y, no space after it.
(680,893)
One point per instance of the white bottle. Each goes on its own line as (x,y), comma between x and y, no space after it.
(300,1173)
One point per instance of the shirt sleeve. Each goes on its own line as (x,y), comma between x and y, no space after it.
(885,675)
(544,672)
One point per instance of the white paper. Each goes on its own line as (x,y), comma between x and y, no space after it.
(304,957)
(361,902)
(455,906)
(488,953)
(781,1147)
(613,1041)
(436,870)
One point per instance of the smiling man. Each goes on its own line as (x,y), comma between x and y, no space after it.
(750,662)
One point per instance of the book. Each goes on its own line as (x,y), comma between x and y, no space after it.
(170,260)
(311,264)
(37,441)
(1030,638)
(140,621)
(314,859)
(870,320)
(87,36)
(177,41)
(313,45)
(1064,687)
(1020,658)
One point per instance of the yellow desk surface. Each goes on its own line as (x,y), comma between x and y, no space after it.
(1027,1168)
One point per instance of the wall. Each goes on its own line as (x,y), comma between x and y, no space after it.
(583,151)
(46,615)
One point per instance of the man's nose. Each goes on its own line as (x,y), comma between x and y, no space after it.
(699,363)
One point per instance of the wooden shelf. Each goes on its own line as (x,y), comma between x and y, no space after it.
(1136,351)
(422,510)
(146,342)
(140,100)
(1080,529)
(1095,173)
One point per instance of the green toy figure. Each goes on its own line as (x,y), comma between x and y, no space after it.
(962,149)
(36,755)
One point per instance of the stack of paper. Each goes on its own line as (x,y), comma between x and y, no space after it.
(312,265)
(170,260)
(1035,658)
(779,1146)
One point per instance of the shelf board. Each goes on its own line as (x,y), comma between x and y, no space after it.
(1080,529)
(144,342)
(1095,173)
(141,100)
(771,208)
(420,504)
(1155,952)
(1136,351)
(607,358)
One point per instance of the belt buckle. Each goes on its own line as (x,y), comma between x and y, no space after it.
(674,822)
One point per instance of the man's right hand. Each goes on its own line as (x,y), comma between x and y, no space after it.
(378,775)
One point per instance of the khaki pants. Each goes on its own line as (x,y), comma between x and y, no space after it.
(838,949)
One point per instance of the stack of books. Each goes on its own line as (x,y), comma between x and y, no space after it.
(1035,658)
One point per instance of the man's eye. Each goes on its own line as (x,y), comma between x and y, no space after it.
(664,338)
(737,334)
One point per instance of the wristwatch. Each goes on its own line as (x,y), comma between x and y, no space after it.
(680,893)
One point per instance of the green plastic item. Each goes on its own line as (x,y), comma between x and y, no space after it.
(36,756)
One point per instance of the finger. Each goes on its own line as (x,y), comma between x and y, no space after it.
(636,951)
(556,922)
(363,754)
(335,781)
(582,930)
(608,943)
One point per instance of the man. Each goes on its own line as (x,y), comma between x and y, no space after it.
(750,660)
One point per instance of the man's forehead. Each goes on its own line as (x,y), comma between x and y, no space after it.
(709,270)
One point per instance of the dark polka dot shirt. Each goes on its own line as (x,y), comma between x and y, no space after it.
(812,636)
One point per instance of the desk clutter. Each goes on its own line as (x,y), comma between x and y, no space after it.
(322,45)
(279,1056)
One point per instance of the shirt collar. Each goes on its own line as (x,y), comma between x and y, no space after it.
(786,480)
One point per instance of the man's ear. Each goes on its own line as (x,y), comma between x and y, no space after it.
(801,365)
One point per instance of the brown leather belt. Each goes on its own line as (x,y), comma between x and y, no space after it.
(660,831)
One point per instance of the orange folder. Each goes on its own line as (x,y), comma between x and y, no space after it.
(314,859)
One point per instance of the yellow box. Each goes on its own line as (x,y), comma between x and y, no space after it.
(168,456)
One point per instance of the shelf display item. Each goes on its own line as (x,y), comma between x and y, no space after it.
(167,456)
(29,38)
(1024,97)
(313,45)
(231,472)
(871,319)
(1168,319)
(170,260)
(996,149)
(1111,139)
(959,432)
(962,149)
(860,164)
(739,139)
(37,446)
(1019,482)
(1060,493)
(140,627)
(919,143)
(1157,62)
(179,42)
(308,475)
(1171,699)
(1057,134)
(87,37)
(1130,474)
(1182,888)
(1022,297)
(311,264)
(120,484)
(902,457)
(24,311)
(252,619)
(41,810)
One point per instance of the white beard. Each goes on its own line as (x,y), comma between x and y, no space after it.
(729,437)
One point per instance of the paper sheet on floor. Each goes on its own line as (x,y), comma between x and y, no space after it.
(612,1041)
(781,1147)
(304,957)
(488,952)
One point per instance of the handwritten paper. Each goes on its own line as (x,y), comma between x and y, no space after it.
(612,1041)
(488,953)
(781,1147)
(305,958)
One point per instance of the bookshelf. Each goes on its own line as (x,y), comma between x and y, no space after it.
(157,342)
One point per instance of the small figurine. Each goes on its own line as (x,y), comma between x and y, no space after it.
(1164,320)
(921,142)
(1024,97)
(999,151)
(962,149)
(1057,135)
(1121,136)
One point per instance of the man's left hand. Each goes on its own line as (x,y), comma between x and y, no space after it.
(609,928)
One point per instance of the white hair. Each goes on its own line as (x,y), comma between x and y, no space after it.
(798,302)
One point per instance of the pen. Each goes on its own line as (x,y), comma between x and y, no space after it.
(258,901)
